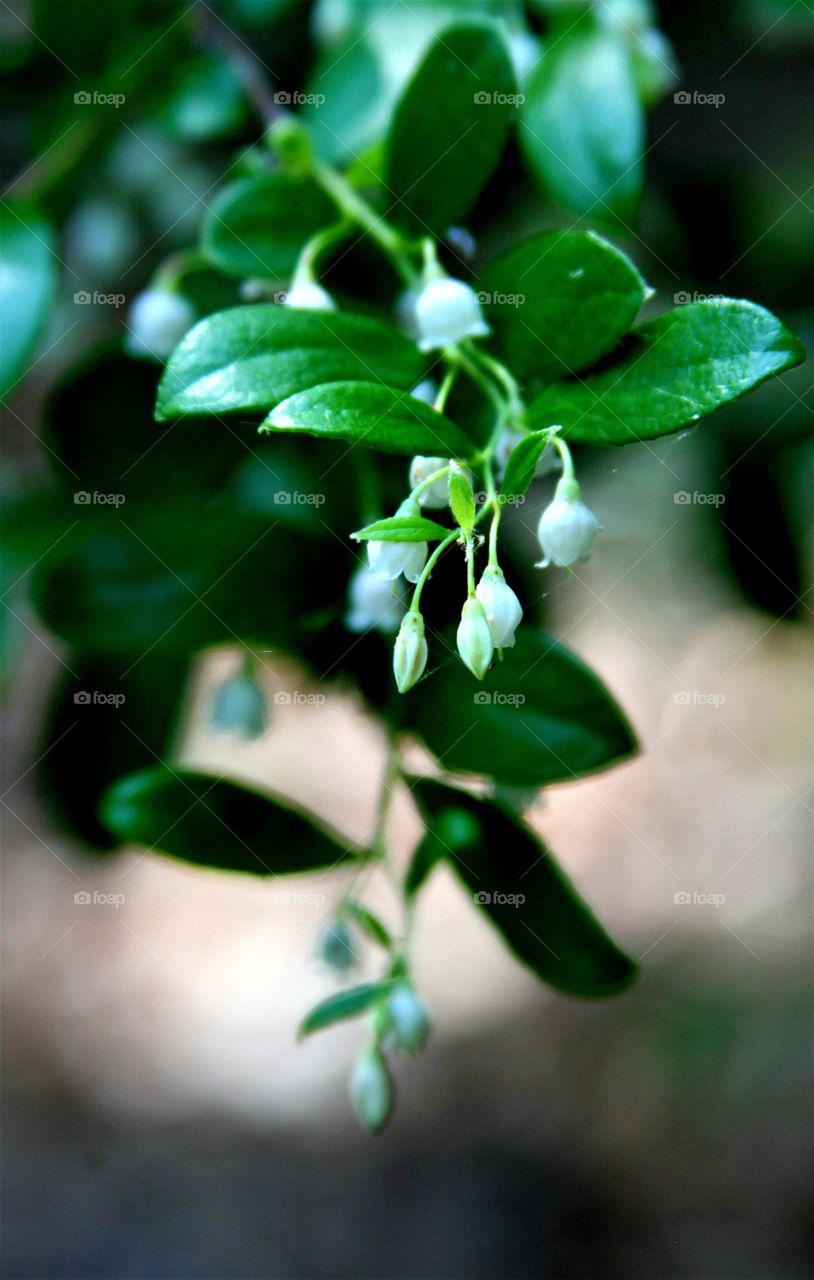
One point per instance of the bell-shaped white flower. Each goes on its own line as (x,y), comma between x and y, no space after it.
(567,527)
(307,295)
(475,644)
(408,1018)
(373,606)
(436,495)
(157,321)
(410,651)
(501,606)
(446,311)
(371,1091)
(388,559)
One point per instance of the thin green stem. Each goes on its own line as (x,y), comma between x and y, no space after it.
(316,246)
(446,386)
(357,209)
(430,480)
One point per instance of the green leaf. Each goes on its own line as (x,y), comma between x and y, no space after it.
(257,226)
(582,126)
(371,924)
(522,464)
(518,885)
(450,127)
(344,1005)
(251,358)
(212,822)
(402,529)
(204,100)
(461,500)
(27,285)
(670,372)
(371,414)
(539,716)
(426,856)
(559,301)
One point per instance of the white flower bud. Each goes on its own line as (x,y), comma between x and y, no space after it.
(501,606)
(410,651)
(371,1090)
(426,391)
(157,322)
(307,295)
(373,606)
(475,644)
(335,947)
(239,706)
(446,311)
(388,559)
(404,313)
(567,527)
(408,1017)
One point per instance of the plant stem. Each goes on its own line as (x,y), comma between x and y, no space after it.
(430,565)
(357,209)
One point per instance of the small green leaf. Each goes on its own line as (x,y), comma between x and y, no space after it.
(251,358)
(582,124)
(371,414)
(559,301)
(257,226)
(450,127)
(461,500)
(402,529)
(212,822)
(344,1005)
(522,464)
(671,372)
(371,924)
(27,285)
(426,856)
(539,716)
(515,881)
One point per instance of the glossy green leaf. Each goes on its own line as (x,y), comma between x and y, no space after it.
(213,822)
(27,284)
(251,358)
(257,226)
(539,716)
(522,465)
(450,127)
(344,1005)
(402,529)
(461,500)
(670,372)
(516,882)
(582,125)
(373,415)
(559,301)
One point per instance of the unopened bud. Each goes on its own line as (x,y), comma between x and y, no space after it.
(475,644)
(335,946)
(371,1089)
(409,1020)
(410,651)
(501,605)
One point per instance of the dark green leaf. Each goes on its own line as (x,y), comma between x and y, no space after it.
(257,226)
(670,372)
(522,464)
(371,924)
(371,414)
(346,1004)
(402,529)
(251,358)
(212,822)
(450,127)
(582,126)
(539,716)
(518,885)
(559,301)
(27,284)
(461,500)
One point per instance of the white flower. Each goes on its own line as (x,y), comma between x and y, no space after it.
(475,644)
(158,321)
(446,311)
(435,495)
(409,1021)
(549,459)
(501,606)
(373,605)
(410,651)
(388,559)
(567,527)
(307,295)
(426,391)
(404,313)
(370,1089)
